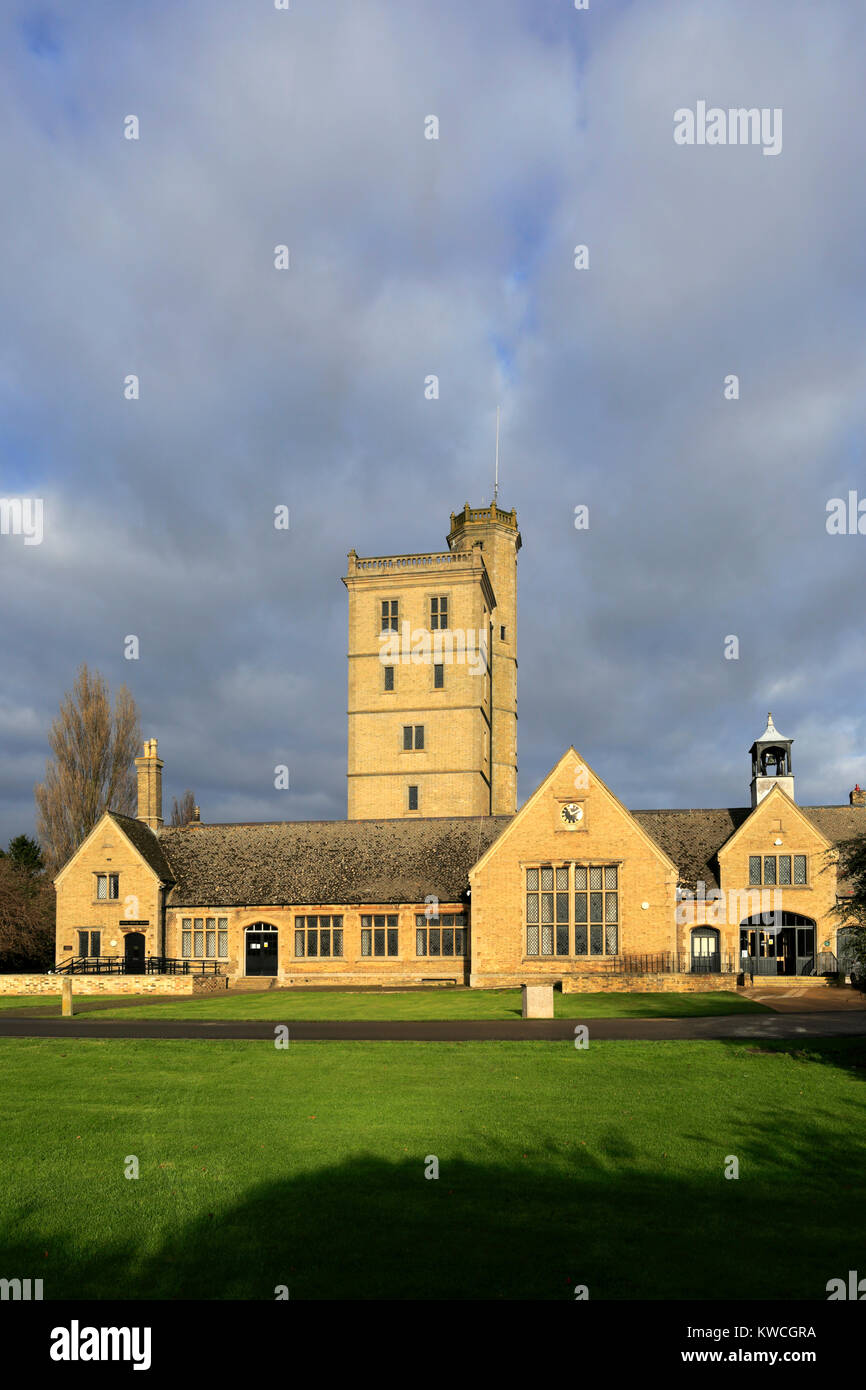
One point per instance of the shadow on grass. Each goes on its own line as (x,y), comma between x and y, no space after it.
(528,1229)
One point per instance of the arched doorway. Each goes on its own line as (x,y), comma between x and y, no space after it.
(706,956)
(261,955)
(133,953)
(778,943)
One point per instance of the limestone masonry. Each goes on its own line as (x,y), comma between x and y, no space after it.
(435,875)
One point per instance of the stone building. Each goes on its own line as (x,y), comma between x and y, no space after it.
(436,875)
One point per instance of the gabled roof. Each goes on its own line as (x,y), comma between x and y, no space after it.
(147,844)
(139,835)
(310,862)
(693,839)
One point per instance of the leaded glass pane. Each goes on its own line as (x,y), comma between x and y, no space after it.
(610,876)
(211,938)
(532,941)
(338,938)
(532,880)
(595,907)
(379,941)
(299,942)
(562,940)
(754,868)
(312,943)
(366,941)
(784,868)
(532,907)
(611,903)
(199,938)
(420,941)
(460,941)
(547,941)
(547,878)
(223,941)
(610,936)
(435,941)
(562,907)
(187,944)
(547,907)
(595,877)
(596,940)
(101,886)
(579,877)
(580,907)
(562,880)
(420,921)
(770,868)
(448,941)
(799,868)
(325,942)
(392,943)
(580,940)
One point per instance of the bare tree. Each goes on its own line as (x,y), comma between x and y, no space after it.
(27,902)
(183,811)
(92,769)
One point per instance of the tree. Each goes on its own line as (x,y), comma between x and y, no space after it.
(183,811)
(25,854)
(27,903)
(92,768)
(851,868)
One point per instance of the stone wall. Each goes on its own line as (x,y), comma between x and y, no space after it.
(99,984)
(647,984)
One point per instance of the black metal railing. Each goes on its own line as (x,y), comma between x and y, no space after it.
(668,963)
(119,965)
(172,965)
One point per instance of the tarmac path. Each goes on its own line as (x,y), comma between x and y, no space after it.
(837,1023)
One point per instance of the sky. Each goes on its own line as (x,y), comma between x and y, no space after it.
(453,257)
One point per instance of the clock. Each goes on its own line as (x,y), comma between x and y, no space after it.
(571,815)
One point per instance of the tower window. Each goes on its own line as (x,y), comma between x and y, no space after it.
(502,634)
(413,798)
(413,736)
(389,677)
(390,614)
(438,676)
(439,611)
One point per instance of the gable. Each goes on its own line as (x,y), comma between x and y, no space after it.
(777,811)
(547,819)
(140,839)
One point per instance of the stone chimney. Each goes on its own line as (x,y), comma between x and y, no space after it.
(858,796)
(149,768)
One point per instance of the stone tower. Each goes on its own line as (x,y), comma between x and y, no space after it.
(433,675)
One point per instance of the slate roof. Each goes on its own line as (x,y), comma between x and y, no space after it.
(298,862)
(692,839)
(146,843)
(402,861)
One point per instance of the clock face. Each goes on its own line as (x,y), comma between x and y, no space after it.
(572,814)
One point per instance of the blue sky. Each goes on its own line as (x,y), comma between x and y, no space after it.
(453,257)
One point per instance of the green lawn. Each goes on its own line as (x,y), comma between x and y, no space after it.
(305,1167)
(49,1002)
(287,1005)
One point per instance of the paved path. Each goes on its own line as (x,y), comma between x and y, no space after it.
(840,1023)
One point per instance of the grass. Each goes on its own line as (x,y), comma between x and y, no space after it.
(305,1167)
(288,1005)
